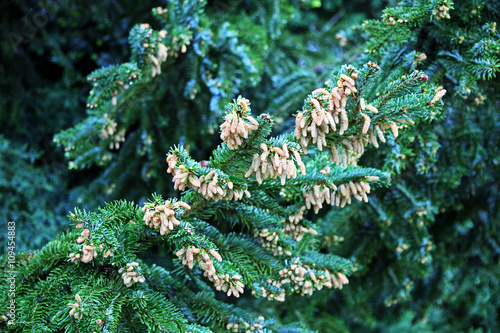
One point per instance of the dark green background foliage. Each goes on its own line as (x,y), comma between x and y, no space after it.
(426,249)
(48,49)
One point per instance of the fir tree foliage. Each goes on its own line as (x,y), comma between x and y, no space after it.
(249,232)
(429,240)
(192,57)
(46,50)
(236,227)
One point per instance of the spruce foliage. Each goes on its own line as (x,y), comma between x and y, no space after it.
(236,224)
(429,240)
(384,184)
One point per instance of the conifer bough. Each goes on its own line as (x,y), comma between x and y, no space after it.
(235,226)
